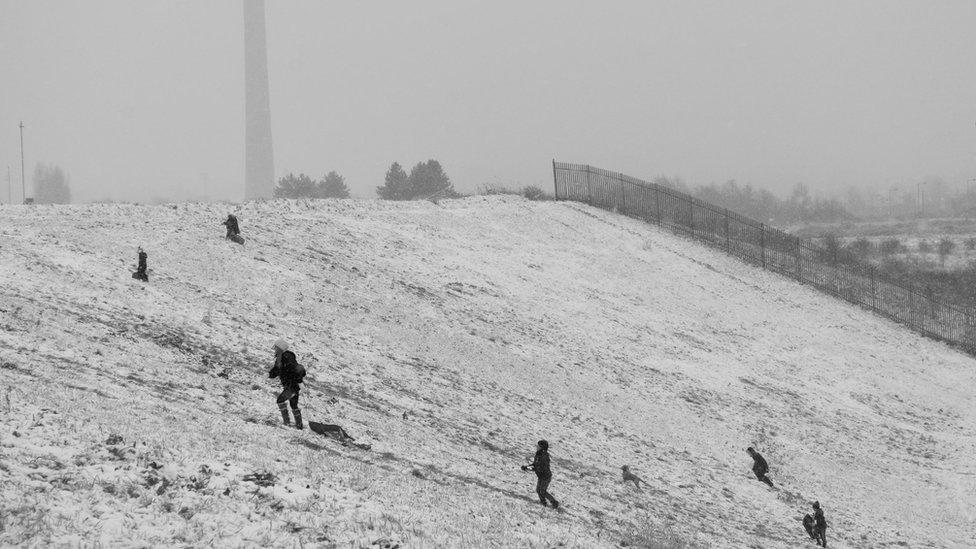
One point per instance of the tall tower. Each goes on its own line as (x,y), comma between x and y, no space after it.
(258,155)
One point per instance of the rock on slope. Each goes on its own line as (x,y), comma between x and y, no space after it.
(140,414)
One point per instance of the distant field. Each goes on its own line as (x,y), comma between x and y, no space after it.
(953,227)
(910,234)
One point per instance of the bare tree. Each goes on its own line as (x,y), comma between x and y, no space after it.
(51,185)
(946,247)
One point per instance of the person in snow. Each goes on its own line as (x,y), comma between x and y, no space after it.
(759,466)
(142,271)
(808,523)
(819,525)
(631,477)
(233,229)
(291,374)
(543,473)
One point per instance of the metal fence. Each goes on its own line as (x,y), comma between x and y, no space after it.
(775,250)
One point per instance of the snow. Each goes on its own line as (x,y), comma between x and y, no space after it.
(134,413)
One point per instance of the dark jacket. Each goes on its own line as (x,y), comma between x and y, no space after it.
(541,464)
(288,369)
(819,520)
(232,227)
(759,465)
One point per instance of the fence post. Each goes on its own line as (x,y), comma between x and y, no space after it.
(969,329)
(947,319)
(799,259)
(874,290)
(555,184)
(657,201)
(728,233)
(623,194)
(913,309)
(589,189)
(762,242)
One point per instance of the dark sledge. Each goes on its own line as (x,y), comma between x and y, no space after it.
(336,432)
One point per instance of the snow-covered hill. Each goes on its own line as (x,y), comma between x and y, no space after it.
(141,414)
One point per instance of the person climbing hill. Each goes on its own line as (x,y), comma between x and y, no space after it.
(631,477)
(819,525)
(142,270)
(291,374)
(759,466)
(543,473)
(233,229)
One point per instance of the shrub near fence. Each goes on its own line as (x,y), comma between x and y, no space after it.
(771,248)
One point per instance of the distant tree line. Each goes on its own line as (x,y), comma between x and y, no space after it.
(426,180)
(929,198)
(764,206)
(332,185)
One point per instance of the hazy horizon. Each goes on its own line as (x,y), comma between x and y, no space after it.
(144,101)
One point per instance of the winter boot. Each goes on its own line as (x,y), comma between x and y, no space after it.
(298,418)
(283,406)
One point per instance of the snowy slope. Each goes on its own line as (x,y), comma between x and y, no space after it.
(133,414)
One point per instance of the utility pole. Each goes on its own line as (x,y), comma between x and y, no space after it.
(10,199)
(23,186)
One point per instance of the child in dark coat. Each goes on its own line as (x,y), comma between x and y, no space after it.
(233,229)
(819,525)
(291,373)
(759,466)
(142,272)
(543,473)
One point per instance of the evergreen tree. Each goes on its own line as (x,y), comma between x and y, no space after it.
(295,187)
(395,185)
(332,185)
(427,179)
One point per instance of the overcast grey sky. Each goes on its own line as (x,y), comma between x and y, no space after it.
(144,99)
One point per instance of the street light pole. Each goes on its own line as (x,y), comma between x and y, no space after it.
(9,198)
(23,186)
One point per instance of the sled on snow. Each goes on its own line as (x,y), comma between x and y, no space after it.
(330,430)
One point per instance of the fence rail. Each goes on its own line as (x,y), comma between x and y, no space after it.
(771,248)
